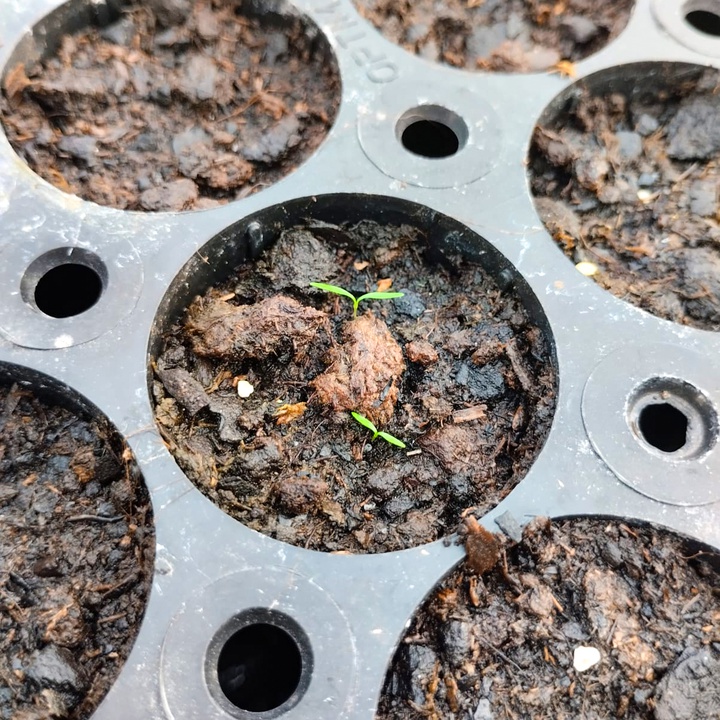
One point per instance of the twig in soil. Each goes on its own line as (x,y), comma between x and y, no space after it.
(111,618)
(689,604)
(95,518)
(500,653)
(685,174)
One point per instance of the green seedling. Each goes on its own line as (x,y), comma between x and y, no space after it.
(377,433)
(356,300)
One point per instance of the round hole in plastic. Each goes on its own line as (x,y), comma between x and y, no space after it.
(260,663)
(432,131)
(663,426)
(704,21)
(68,290)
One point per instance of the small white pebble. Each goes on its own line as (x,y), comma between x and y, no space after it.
(644,195)
(585,657)
(245,389)
(586,268)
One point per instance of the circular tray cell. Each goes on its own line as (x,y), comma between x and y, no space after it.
(499,35)
(625,173)
(453,383)
(173,105)
(583,618)
(76,552)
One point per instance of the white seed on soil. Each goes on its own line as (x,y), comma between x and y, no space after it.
(586,268)
(585,657)
(245,389)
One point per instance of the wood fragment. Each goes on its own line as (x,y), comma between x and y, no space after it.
(95,518)
(477,412)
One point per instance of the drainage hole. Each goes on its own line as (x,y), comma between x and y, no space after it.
(68,290)
(259,667)
(663,426)
(705,21)
(431,139)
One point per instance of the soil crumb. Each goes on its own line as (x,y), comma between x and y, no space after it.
(511,644)
(364,371)
(500,35)
(256,405)
(76,554)
(175,105)
(627,183)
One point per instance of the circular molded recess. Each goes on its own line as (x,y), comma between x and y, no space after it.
(76,548)
(262,618)
(509,36)
(58,296)
(169,124)
(448,140)
(457,373)
(673,418)
(261,663)
(650,415)
(432,131)
(624,168)
(694,23)
(61,284)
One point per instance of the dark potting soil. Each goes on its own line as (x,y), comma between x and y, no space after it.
(630,184)
(501,646)
(501,35)
(76,553)
(175,106)
(454,369)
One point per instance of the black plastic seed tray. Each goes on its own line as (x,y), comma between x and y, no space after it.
(345,613)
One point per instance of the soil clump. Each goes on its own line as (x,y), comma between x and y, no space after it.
(499,35)
(76,554)
(174,106)
(629,183)
(509,643)
(465,379)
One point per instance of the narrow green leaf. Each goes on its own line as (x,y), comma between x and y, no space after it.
(380,296)
(392,440)
(333,289)
(364,421)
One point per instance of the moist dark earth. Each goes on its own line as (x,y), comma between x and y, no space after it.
(174,106)
(500,646)
(499,35)
(455,369)
(76,552)
(629,183)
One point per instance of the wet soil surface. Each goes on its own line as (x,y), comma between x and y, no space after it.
(502,646)
(175,106)
(76,551)
(630,184)
(501,35)
(464,379)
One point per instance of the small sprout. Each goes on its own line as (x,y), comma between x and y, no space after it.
(377,433)
(356,300)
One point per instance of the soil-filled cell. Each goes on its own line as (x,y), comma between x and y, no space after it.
(76,552)
(499,35)
(174,105)
(585,618)
(256,384)
(625,171)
